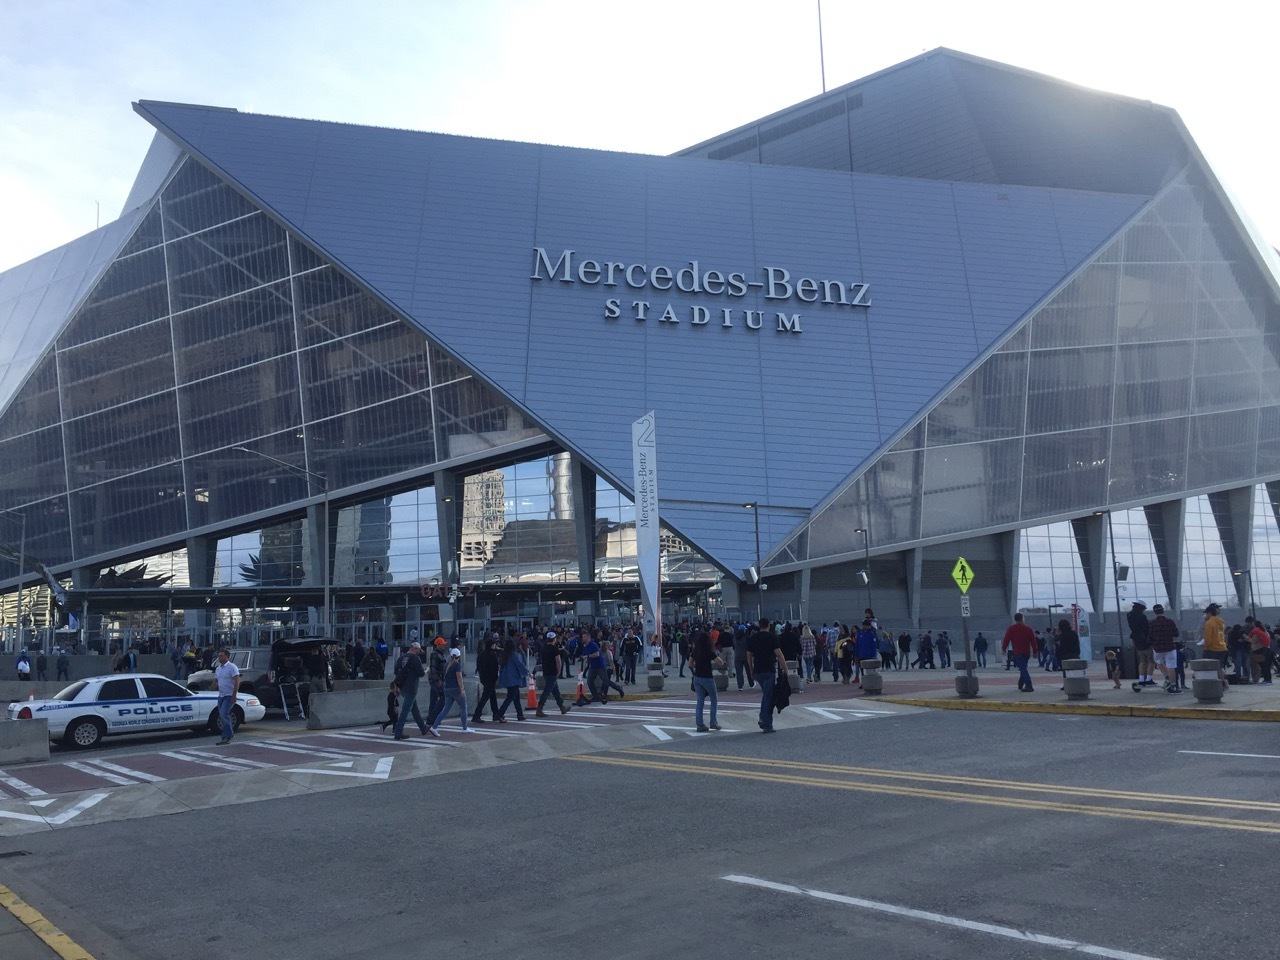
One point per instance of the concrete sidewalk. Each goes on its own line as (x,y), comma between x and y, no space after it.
(19,940)
(997,691)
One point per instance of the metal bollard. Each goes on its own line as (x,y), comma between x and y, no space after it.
(1205,685)
(965,687)
(656,679)
(872,678)
(794,677)
(1077,681)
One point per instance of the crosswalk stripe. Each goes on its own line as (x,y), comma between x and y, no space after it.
(202,761)
(21,786)
(100,774)
(126,771)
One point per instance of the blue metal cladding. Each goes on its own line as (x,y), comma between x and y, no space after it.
(445,227)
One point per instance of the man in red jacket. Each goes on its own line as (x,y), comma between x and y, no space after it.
(1021,641)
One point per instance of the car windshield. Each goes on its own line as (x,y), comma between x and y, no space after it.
(70,693)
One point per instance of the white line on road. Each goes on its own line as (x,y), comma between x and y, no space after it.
(125,771)
(21,786)
(320,752)
(228,758)
(1026,936)
(1252,756)
(100,774)
(202,761)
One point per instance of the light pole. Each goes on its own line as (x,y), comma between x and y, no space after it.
(1253,612)
(324,489)
(22,568)
(866,546)
(754,507)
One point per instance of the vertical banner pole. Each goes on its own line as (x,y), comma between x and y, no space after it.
(644,453)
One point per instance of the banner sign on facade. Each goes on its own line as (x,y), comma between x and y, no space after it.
(644,453)
(1082,630)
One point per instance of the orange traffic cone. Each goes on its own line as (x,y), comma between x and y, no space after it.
(582,700)
(532,702)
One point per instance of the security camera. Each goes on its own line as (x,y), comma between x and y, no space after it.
(764,586)
(862,576)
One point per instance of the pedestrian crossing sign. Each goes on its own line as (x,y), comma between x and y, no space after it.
(962,574)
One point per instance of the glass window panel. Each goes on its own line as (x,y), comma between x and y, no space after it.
(117,514)
(229,483)
(116,369)
(390,437)
(147,235)
(363,370)
(1264,566)
(1069,389)
(989,404)
(127,438)
(196,199)
(1148,459)
(33,467)
(241,405)
(1222,448)
(36,404)
(303,257)
(1157,302)
(1050,574)
(226,260)
(132,292)
(1083,312)
(1064,472)
(1206,575)
(233,333)
(970,486)
(1225,372)
(331,307)
(1152,380)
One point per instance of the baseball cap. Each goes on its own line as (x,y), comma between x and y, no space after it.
(551,634)
(1140,603)
(1158,608)
(415,644)
(439,642)
(1212,608)
(455,652)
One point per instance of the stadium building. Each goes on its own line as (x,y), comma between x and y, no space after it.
(953,309)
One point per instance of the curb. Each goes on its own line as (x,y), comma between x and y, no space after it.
(1096,709)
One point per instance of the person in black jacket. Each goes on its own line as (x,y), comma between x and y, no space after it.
(487,671)
(1066,645)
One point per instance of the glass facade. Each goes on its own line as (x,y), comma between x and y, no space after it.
(215,329)
(1151,372)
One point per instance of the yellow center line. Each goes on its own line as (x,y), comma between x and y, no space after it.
(34,920)
(1256,806)
(1119,813)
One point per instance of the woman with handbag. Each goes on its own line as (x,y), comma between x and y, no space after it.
(513,673)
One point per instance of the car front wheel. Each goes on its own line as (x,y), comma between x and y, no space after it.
(85,733)
(237,718)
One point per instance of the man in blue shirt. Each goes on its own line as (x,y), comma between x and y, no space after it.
(597,671)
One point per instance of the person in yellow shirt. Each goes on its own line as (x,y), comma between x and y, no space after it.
(1215,640)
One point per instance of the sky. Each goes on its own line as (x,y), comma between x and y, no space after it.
(650,76)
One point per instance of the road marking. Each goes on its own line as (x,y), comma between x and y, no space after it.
(35,921)
(1017,803)
(833,713)
(125,771)
(1011,933)
(66,815)
(953,779)
(366,737)
(228,758)
(21,786)
(100,774)
(1252,756)
(317,752)
(381,772)
(203,761)
(661,731)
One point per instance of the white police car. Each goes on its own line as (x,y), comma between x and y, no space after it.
(88,710)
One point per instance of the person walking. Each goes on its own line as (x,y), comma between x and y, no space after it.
(611,669)
(63,665)
(393,706)
(436,667)
(23,666)
(513,676)
(740,666)
(1020,642)
(808,651)
(944,650)
(487,668)
(42,666)
(551,664)
(455,692)
(1066,647)
(764,658)
(704,661)
(980,649)
(630,651)
(228,676)
(904,650)
(597,671)
(409,673)
(865,646)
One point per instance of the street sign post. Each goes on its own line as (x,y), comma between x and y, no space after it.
(962,574)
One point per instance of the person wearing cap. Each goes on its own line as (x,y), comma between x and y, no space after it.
(436,667)
(454,692)
(1215,640)
(409,672)
(1139,634)
(1163,636)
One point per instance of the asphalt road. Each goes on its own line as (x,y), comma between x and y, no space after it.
(1094,830)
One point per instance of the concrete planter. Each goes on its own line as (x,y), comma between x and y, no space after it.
(1205,685)
(872,679)
(1076,683)
(24,741)
(966,686)
(656,679)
